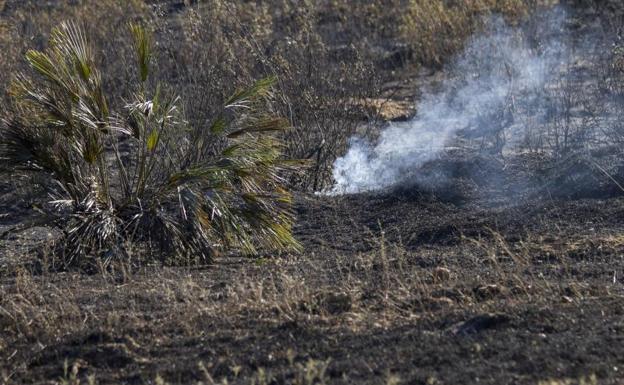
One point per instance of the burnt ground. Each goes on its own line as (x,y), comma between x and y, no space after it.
(479,284)
(393,287)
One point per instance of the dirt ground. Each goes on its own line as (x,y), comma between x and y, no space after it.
(392,288)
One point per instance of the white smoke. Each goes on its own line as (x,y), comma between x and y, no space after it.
(497,82)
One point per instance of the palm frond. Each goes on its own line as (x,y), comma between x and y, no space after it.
(143,48)
(144,176)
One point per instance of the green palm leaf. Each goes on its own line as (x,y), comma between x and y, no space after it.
(164,191)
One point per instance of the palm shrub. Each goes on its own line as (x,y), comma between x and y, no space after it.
(142,175)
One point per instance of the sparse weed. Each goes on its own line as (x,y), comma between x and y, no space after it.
(583,380)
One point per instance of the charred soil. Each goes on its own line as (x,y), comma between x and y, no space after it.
(513,279)
(392,287)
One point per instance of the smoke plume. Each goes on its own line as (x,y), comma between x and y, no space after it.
(490,95)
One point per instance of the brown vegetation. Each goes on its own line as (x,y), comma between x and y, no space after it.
(411,285)
(367,303)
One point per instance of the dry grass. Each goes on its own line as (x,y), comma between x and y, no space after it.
(137,315)
(436,30)
(526,306)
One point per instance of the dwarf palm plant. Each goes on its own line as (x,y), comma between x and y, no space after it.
(142,175)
